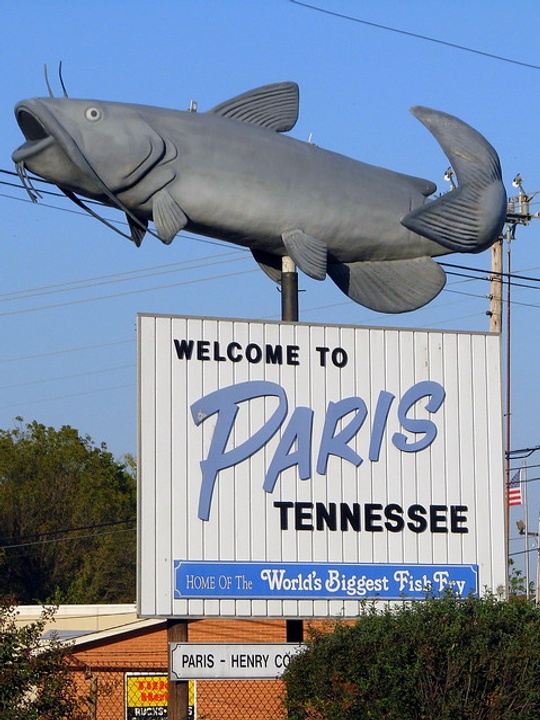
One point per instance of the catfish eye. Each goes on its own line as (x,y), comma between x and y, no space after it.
(93,114)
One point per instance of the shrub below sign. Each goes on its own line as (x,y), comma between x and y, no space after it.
(442,658)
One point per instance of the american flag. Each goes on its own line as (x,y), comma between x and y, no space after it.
(514,489)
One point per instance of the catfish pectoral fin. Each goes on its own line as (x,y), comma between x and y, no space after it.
(309,253)
(168,216)
(390,286)
(137,230)
(270,264)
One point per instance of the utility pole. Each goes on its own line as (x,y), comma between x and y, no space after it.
(495,296)
(537,563)
(517,213)
(178,703)
(510,234)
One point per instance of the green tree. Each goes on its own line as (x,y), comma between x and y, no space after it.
(67,518)
(34,680)
(442,658)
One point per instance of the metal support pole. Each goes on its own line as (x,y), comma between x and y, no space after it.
(178,705)
(289,313)
(289,290)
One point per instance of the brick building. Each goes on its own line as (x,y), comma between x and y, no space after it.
(120,664)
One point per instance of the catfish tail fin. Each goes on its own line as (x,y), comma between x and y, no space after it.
(469,218)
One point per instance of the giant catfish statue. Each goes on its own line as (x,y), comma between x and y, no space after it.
(230,174)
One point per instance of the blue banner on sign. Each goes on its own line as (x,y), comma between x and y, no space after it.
(316,581)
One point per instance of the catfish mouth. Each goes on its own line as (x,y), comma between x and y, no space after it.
(37,137)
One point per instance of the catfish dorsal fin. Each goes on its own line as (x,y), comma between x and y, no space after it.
(271,106)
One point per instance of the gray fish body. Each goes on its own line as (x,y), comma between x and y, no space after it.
(354,208)
(240,180)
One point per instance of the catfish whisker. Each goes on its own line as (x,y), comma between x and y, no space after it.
(33,194)
(46,71)
(62,79)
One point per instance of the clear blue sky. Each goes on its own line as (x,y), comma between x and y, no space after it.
(67,353)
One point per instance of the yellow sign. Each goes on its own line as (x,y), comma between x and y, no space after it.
(146,690)
(147,696)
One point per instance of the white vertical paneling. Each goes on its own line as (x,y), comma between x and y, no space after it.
(146,522)
(495,461)
(224,502)
(451,430)
(212,531)
(379,470)
(320,490)
(334,476)
(407,461)
(466,452)
(481,454)
(462,467)
(349,479)
(288,480)
(259,518)
(274,540)
(440,490)
(466,448)
(392,492)
(178,450)
(198,439)
(423,459)
(164,558)
(239,530)
(363,389)
(304,491)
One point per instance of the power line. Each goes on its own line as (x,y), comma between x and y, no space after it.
(39,536)
(196,238)
(67,377)
(466,276)
(41,191)
(81,348)
(81,301)
(66,397)
(68,539)
(491,272)
(36,178)
(417,36)
(54,207)
(527,480)
(25,552)
(523,552)
(465,294)
(454,319)
(131,275)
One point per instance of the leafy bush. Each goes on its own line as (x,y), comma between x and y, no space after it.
(438,659)
(34,682)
